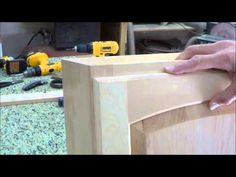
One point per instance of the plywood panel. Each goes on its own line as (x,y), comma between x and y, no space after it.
(191,130)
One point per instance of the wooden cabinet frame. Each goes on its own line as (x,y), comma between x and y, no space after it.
(128,105)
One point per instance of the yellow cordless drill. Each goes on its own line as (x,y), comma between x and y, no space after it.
(98,48)
(40,65)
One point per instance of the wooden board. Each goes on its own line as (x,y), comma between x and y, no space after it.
(29,98)
(100,115)
(78,94)
(188,130)
(196,88)
(118,103)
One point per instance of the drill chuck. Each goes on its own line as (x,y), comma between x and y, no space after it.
(34,71)
(43,70)
(84,48)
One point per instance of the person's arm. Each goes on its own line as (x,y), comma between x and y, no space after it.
(219,55)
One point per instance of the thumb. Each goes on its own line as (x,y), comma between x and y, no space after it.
(226,97)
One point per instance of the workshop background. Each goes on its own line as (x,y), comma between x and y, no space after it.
(40,128)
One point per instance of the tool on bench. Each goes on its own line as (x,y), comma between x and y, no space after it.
(33,84)
(56,83)
(56,80)
(61,102)
(40,66)
(98,48)
(13,66)
(38,61)
(8,83)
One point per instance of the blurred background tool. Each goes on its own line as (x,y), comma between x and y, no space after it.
(171,37)
(33,84)
(98,48)
(40,66)
(61,102)
(56,81)
(13,66)
(215,32)
(8,83)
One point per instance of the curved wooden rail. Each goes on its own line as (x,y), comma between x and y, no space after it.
(152,94)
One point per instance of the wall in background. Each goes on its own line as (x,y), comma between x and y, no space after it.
(15,35)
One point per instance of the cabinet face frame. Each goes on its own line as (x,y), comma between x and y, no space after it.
(90,127)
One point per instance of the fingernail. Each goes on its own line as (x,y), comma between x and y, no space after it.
(170,68)
(213,106)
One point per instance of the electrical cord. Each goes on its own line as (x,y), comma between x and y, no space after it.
(31,39)
(43,32)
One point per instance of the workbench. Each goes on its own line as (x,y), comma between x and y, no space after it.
(31,128)
(40,128)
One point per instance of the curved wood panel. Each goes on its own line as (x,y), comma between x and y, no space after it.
(185,114)
(188,130)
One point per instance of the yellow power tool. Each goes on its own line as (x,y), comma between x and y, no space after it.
(13,66)
(98,48)
(40,66)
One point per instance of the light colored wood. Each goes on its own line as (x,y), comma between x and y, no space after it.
(195,88)
(123,37)
(111,119)
(158,60)
(191,130)
(138,138)
(91,121)
(78,105)
(78,93)
(151,98)
(29,98)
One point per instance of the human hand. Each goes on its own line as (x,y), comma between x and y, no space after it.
(220,55)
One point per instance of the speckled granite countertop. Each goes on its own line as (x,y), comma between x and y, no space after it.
(31,128)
